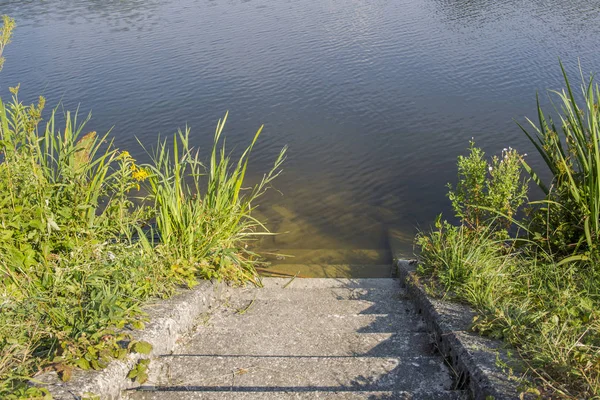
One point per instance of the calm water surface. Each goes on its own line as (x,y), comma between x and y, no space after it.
(375,98)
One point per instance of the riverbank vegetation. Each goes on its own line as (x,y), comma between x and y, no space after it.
(531,269)
(87,234)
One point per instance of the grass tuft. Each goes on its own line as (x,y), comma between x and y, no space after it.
(76,262)
(537,286)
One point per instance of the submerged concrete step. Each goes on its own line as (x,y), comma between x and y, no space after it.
(327,256)
(373,295)
(328,270)
(324,283)
(291,394)
(228,341)
(206,373)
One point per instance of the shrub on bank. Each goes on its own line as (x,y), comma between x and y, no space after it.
(533,277)
(78,218)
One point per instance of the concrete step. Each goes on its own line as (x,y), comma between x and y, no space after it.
(327,270)
(318,305)
(228,341)
(297,321)
(400,244)
(305,339)
(325,283)
(291,394)
(372,295)
(326,256)
(216,373)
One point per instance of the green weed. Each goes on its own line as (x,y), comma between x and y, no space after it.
(488,193)
(537,286)
(8,25)
(76,262)
(202,225)
(572,154)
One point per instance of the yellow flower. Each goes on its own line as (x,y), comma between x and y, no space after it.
(15,90)
(139,174)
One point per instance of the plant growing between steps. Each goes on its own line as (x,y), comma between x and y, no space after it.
(139,373)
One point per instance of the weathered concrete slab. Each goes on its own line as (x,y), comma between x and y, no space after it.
(295,321)
(377,295)
(306,338)
(317,304)
(472,356)
(329,270)
(328,256)
(228,341)
(418,373)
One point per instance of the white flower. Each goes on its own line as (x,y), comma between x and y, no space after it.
(52,226)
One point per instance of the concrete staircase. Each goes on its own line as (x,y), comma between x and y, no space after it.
(305,339)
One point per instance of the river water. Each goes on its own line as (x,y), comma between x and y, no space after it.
(375,98)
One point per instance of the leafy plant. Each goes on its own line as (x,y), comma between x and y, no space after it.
(524,289)
(75,263)
(488,192)
(572,154)
(139,373)
(201,226)
(456,256)
(8,25)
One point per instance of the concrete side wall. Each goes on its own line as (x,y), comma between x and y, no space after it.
(473,357)
(169,321)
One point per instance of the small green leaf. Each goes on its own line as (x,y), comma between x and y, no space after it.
(83,364)
(138,325)
(142,377)
(95,365)
(120,354)
(142,347)
(133,373)
(65,373)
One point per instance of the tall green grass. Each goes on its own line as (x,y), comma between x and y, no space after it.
(68,277)
(202,225)
(537,287)
(572,154)
(550,312)
(75,261)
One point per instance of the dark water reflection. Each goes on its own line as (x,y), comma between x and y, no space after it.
(375,98)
